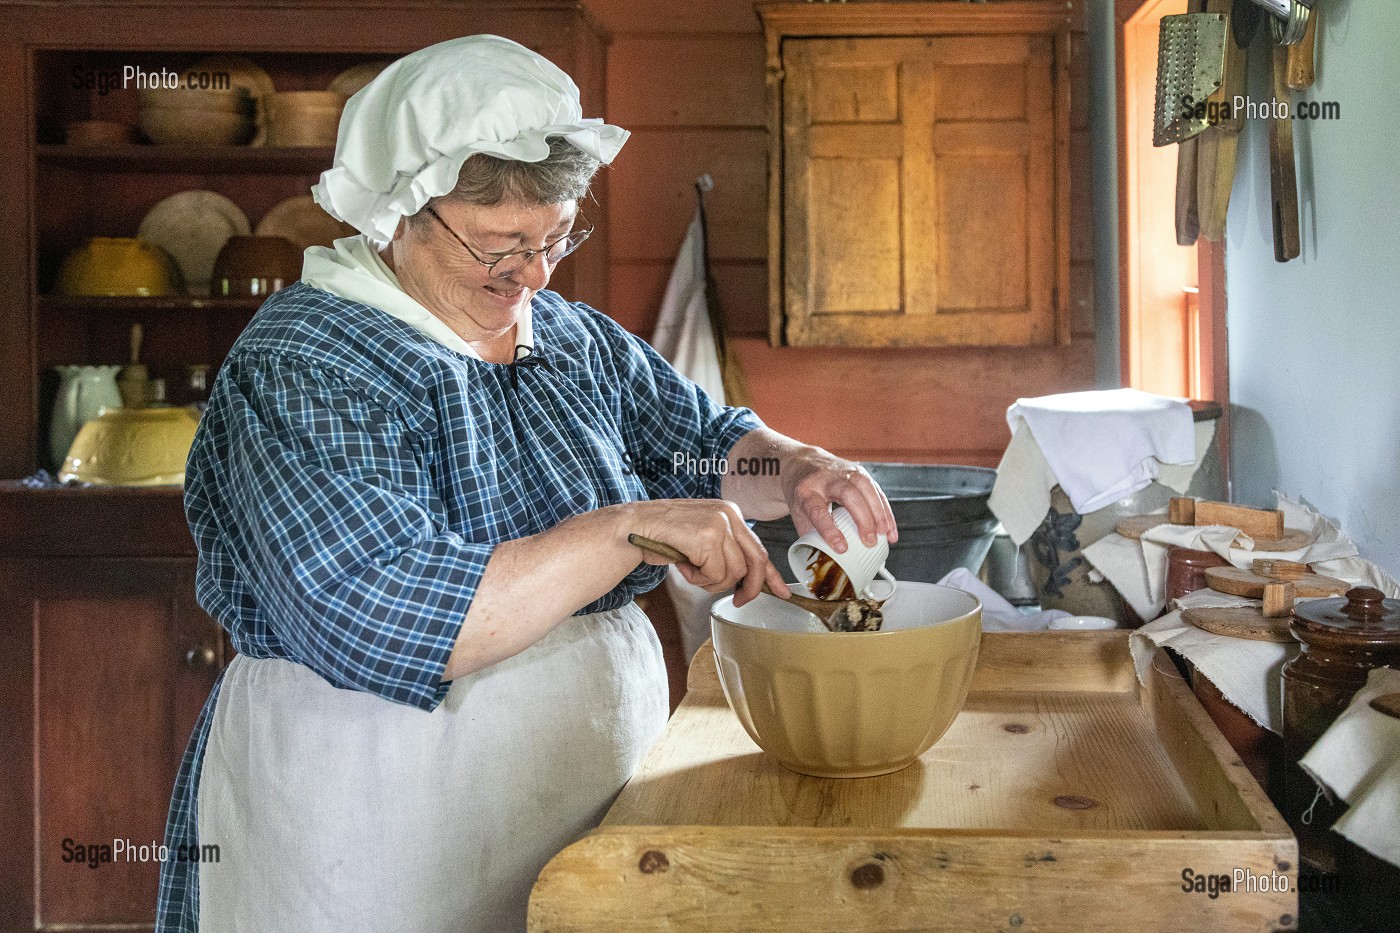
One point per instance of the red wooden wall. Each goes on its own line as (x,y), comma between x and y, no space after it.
(688,80)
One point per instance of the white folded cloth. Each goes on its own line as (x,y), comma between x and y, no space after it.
(998,615)
(1105,446)
(1358,760)
(1099,447)
(1246,672)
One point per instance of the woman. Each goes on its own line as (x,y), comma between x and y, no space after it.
(411,495)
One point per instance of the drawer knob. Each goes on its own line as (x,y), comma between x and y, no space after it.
(200,657)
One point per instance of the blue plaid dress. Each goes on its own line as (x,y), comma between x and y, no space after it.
(352,476)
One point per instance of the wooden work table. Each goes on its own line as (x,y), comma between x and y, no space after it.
(1065,796)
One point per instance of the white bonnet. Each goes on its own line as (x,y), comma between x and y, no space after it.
(404,136)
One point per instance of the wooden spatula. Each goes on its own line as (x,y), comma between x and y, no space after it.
(824,609)
(1388,703)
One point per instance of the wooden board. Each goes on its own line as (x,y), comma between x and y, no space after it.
(1139,525)
(1257,523)
(1293,539)
(1061,771)
(1239,622)
(1237,582)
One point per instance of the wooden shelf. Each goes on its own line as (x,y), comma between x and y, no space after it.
(119,305)
(192,160)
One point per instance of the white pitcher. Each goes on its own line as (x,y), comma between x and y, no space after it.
(83,391)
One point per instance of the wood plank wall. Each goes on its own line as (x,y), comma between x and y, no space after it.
(688,80)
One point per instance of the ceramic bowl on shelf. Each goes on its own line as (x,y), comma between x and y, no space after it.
(193,226)
(99,133)
(233,100)
(848,704)
(118,266)
(178,126)
(132,447)
(254,266)
(304,118)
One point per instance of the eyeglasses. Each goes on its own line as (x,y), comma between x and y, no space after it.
(508,264)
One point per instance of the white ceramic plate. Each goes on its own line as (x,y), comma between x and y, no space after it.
(302,221)
(193,226)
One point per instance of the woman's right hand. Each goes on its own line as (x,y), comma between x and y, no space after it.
(723,551)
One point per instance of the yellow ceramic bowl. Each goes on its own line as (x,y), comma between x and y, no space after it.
(132,447)
(118,266)
(852,704)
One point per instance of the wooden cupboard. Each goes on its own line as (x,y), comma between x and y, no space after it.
(918,174)
(64,62)
(105,661)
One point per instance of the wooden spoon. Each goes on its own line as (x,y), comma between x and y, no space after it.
(823,609)
(1388,703)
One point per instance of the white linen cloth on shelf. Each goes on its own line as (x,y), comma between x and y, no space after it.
(404,136)
(1138,569)
(1099,447)
(1358,760)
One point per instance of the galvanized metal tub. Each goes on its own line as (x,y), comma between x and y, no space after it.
(944,521)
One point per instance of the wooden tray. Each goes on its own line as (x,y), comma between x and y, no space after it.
(1065,797)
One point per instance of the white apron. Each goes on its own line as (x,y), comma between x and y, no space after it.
(336,810)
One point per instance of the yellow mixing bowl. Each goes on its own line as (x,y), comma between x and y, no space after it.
(118,266)
(848,704)
(132,447)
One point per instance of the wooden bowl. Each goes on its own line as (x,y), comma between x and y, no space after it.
(848,704)
(182,127)
(304,118)
(99,133)
(306,100)
(254,266)
(233,100)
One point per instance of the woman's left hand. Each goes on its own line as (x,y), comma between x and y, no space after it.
(815,479)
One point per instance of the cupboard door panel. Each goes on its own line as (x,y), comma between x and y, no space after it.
(122,662)
(930,220)
(854,236)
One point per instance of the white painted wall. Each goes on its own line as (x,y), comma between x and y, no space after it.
(1315,343)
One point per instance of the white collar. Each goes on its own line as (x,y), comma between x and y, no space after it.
(352,269)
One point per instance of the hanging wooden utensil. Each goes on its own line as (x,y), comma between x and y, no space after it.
(1188,224)
(1283,179)
(1301,57)
(1217,150)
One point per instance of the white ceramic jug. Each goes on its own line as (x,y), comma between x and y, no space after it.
(83,391)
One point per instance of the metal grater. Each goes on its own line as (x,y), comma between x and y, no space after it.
(1190,67)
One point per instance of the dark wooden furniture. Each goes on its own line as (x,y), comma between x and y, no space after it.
(56,196)
(105,661)
(105,658)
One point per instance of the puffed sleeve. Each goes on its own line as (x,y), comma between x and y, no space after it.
(677,435)
(321,498)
